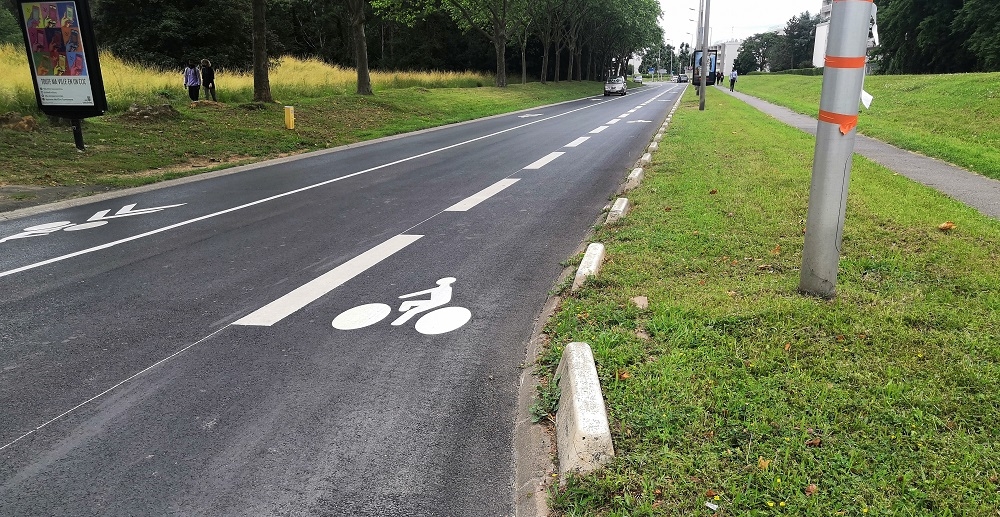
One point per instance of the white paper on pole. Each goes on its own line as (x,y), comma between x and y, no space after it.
(875,23)
(866,99)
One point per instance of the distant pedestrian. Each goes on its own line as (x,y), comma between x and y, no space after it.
(732,80)
(208,79)
(192,80)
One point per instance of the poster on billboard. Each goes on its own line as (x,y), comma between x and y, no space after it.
(63,58)
(713,57)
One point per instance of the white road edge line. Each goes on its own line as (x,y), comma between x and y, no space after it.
(488,192)
(278,196)
(598,129)
(578,141)
(544,161)
(307,293)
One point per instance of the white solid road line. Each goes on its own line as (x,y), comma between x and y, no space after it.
(277,310)
(578,141)
(281,195)
(541,163)
(481,196)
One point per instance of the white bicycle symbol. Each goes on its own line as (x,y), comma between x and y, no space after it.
(436,321)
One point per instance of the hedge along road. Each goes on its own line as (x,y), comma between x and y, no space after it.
(335,334)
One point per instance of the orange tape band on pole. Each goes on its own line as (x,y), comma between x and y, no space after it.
(845,62)
(846,122)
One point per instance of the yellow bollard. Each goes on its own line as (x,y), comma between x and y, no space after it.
(289,117)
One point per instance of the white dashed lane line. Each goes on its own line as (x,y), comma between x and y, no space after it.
(482,195)
(578,141)
(598,129)
(544,161)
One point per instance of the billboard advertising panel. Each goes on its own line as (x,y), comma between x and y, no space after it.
(63,58)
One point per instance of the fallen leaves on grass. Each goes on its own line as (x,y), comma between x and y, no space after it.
(946,226)
(762,463)
(814,442)
(776,250)
(811,489)
(623,374)
(713,191)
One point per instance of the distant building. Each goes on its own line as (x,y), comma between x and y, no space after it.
(825,10)
(727,54)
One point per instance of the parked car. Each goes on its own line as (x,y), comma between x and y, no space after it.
(637,79)
(615,85)
(682,78)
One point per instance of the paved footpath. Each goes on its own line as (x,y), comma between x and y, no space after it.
(977,191)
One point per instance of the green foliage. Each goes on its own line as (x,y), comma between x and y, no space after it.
(546,401)
(935,36)
(166,35)
(794,49)
(980,19)
(754,51)
(800,71)
(10,30)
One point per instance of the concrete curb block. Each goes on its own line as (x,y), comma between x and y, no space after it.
(618,210)
(590,265)
(653,147)
(633,179)
(658,137)
(583,435)
(646,158)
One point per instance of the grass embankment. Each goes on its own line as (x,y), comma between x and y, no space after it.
(731,388)
(955,118)
(125,150)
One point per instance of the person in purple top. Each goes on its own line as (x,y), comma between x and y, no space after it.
(192,80)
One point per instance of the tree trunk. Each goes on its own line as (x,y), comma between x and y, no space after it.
(524,65)
(357,8)
(261,84)
(544,76)
(501,46)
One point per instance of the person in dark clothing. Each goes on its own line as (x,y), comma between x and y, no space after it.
(208,79)
(192,80)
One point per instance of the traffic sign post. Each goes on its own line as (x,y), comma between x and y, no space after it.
(843,79)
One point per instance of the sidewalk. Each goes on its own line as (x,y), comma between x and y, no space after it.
(977,191)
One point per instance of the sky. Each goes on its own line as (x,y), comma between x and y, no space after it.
(730,19)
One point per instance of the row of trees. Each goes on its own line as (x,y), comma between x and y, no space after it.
(777,51)
(916,37)
(553,39)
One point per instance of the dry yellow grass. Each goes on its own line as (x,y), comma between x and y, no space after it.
(126,82)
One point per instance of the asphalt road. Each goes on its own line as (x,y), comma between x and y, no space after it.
(199,350)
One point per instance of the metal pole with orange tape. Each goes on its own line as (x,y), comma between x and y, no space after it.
(843,79)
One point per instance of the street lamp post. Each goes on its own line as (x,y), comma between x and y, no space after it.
(704,55)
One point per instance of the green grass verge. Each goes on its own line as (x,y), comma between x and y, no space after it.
(732,388)
(124,152)
(952,117)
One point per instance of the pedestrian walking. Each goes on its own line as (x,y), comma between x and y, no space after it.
(192,80)
(208,79)
(732,80)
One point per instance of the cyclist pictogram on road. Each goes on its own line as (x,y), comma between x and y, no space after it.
(436,320)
